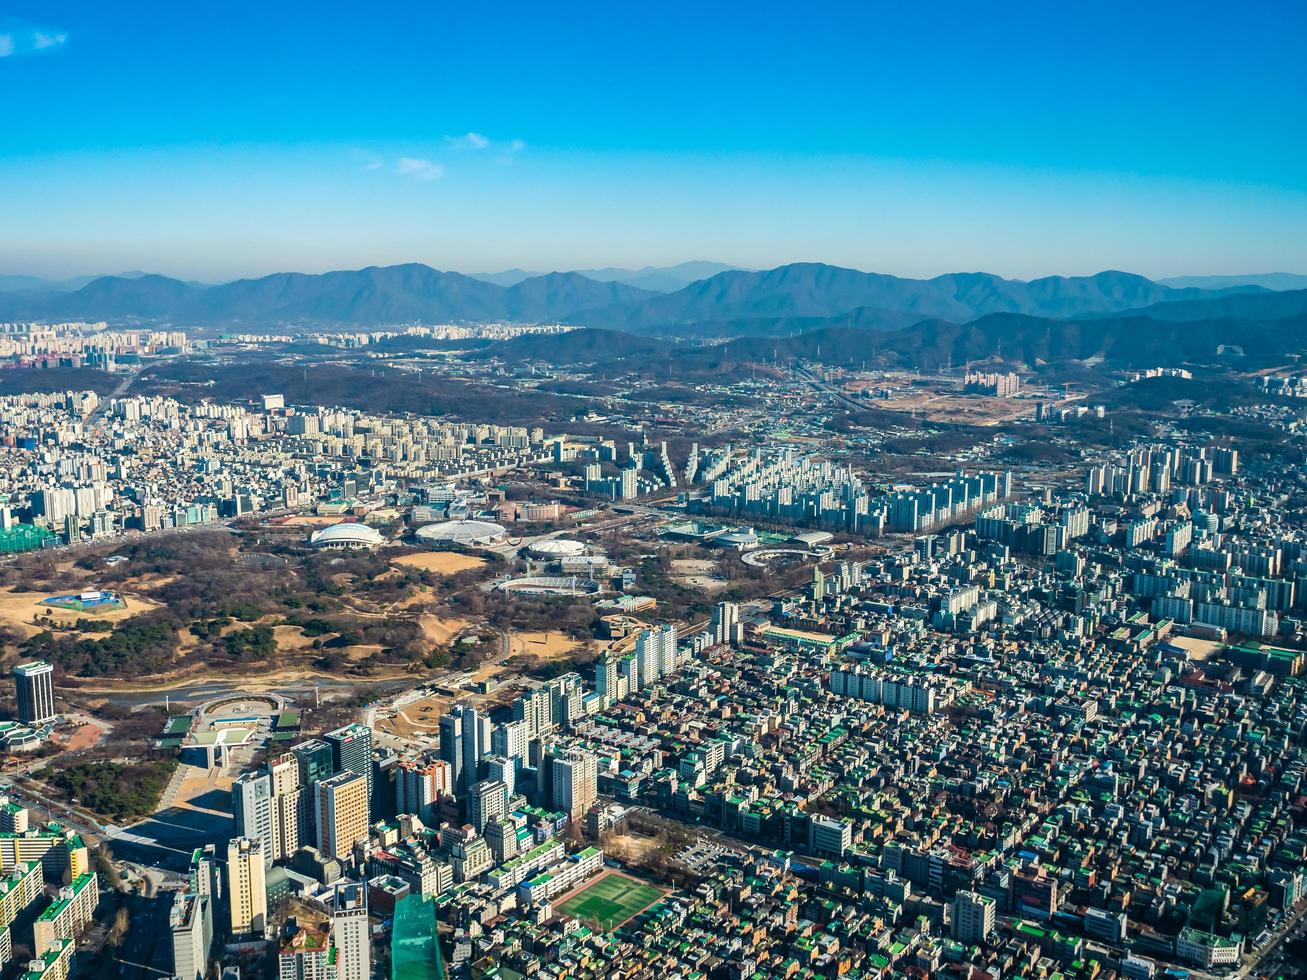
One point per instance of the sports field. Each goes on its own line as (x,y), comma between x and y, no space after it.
(610,900)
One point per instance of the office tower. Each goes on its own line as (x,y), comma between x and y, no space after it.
(973,917)
(190,920)
(351,751)
(504,769)
(350,933)
(35,682)
(252,808)
(342,813)
(575,775)
(725,623)
(246,889)
(290,807)
(476,742)
(314,758)
(420,785)
(451,747)
(487,800)
(510,739)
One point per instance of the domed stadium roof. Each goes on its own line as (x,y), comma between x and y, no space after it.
(350,535)
(557,548)
(461,533)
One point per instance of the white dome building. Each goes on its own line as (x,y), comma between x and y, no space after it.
(467,534)
(555,549)
(343,536)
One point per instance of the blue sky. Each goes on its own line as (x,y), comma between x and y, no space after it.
(219,140)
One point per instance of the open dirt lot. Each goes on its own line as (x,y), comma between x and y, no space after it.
(698,573)
(541,643)
(441,630)
(441,562)
(17,609)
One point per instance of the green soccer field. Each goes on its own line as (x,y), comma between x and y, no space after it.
(610,901)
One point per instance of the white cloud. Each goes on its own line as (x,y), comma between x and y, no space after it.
(19,37)
(468,141)
(419,169)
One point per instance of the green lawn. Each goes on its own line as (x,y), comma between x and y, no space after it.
(610,901)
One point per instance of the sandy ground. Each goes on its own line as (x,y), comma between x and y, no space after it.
(85,736)
(630,848)
(310,520)
(441,562)
(419,717)
(291,639)
(17,609)
(441,630)
(541,643)
(698,573)
(1197,648)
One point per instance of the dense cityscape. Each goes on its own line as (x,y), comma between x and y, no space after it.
(653,491)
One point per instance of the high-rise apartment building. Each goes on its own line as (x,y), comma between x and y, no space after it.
(341,812)
(247,891)
(252,808)
(575,783)
(973,917)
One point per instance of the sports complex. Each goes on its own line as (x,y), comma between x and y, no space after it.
(610,900)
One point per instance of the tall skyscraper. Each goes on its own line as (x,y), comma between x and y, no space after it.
(451,748)
(420,785)
(314,758)
(191,924)
(510,739)
(351,751)
(725,623)
(575,783)
(247,890)
(655,653)
(35,683)
(290,807)
(252,808)
(350,933)
(476,742)
(342,813)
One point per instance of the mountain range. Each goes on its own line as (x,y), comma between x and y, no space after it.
(788,299)
(658,279)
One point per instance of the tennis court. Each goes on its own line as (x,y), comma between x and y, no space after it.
(611,900)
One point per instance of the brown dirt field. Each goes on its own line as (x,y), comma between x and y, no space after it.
(541,643)
(85,736)
(441,562)
(18,608)
(420,595)
(697,573)
(291,638)
(310,520)
(441,630)
(420,717)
